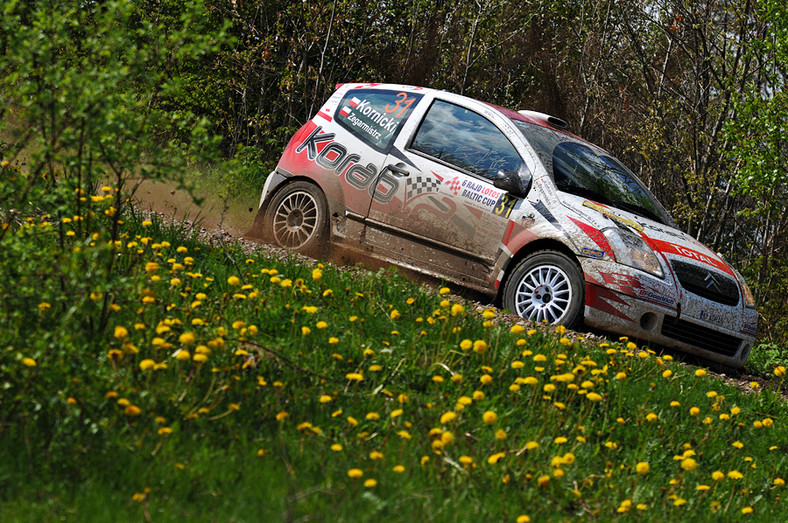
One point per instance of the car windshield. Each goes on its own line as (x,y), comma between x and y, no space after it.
(585,170)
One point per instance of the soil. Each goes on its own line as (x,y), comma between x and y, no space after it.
(219,221)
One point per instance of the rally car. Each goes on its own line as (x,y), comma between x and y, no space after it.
(507,203)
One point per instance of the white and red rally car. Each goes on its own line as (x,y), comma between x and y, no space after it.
(507,203)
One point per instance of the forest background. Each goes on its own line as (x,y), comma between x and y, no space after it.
(690,95)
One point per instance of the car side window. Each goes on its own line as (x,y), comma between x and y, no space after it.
(376,115)
(464,139)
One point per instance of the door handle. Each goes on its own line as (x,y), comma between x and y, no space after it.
(398,169)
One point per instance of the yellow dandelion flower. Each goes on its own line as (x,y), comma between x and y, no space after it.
(689,464)
(29,362)
(479,346)
(355,473)
(694,411)
(120,332)
(735,474)
(132,410)
(489,417)
(234,281)
(448,417)
(543,481)
(187,338)
(375,455)
(593,396)
(495,458)
(370,483)
(747,510)
(778,482)
(372,416)
(642,468)
(486,379)
(522,518)
(399,469)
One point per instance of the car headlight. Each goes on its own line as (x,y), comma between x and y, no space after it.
(630,249)
(749,299)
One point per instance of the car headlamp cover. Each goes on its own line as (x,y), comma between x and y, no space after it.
(749,299)
(630,249)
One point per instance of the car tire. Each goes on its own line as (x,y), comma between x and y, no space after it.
(546,286)
(297,219)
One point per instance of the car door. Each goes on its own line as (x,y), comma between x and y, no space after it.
(445,206)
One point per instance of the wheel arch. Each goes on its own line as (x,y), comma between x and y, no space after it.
(276,189)
(541,244)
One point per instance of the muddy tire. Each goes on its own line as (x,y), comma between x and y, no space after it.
(546,286)
(297,219)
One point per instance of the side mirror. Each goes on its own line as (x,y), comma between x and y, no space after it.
(515,183)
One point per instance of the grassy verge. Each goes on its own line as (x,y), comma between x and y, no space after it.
(149,375)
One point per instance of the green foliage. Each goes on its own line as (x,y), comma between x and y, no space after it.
(228,382)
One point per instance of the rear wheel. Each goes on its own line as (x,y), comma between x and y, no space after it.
(546,287)
(297,219)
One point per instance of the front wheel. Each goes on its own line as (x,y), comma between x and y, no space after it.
(546,287)
(297,219)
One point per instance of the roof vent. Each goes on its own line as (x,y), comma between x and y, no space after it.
(546,118)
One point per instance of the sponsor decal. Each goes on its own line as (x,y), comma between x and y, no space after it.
(321,148)
(592,253)
(712,317)
(421,184)
(376,116)
(632,285)
(479,193)
(686,252)
(526,222)
(454,185)
(596,235)
(613,216)
(654,297)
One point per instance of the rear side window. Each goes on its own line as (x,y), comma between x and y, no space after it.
(374,115)
(464,139)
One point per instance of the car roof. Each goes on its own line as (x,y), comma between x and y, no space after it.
(533,117)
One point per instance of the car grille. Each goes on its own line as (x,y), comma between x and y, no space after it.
(707,284)
(699,336)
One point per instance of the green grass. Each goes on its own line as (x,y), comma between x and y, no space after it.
(190,381)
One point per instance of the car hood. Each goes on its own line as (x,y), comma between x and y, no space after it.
(671,243)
